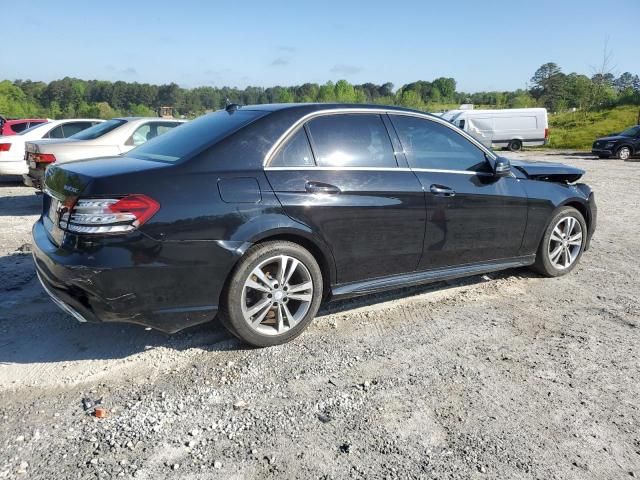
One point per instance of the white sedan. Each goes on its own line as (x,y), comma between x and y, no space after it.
(12,147)
(111,138)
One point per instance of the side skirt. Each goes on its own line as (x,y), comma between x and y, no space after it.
(374,285)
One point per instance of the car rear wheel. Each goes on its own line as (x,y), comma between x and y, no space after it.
(515,145)
(273,294)
(562,244)
(623,153)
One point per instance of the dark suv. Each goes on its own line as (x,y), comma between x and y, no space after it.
(622,145)
(257,214)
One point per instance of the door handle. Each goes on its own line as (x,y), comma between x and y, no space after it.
(442,190)
(319,187)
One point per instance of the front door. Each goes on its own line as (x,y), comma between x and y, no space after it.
(339,176)
(472,215)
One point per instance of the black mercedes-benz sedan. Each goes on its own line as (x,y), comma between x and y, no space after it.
(256,214)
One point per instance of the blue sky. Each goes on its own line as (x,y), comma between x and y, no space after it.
(483,45)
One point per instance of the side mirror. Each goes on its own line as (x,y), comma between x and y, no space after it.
(502,167)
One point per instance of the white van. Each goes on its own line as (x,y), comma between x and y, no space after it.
(511,128)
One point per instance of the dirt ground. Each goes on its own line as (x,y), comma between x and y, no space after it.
(501,376)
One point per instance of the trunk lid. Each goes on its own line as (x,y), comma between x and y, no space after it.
(65,183)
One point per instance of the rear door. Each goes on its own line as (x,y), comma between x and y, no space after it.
(472,215)
(338,174)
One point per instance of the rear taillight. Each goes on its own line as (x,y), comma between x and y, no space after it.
(5,147)
(546,133)
(44,157)
(109,215)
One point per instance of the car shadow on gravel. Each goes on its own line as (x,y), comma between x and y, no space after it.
(34,330)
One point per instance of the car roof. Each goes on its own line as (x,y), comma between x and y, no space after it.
(316,107)
(20,120)
(159,119)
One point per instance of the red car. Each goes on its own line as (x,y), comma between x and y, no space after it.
(12,127)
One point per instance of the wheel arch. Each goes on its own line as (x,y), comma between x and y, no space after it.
(582,207)
(317,248)
(628,145)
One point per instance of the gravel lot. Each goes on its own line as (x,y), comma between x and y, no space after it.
(505,376)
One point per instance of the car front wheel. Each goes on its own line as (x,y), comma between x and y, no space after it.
(562,244)
(273,294)
(623,153)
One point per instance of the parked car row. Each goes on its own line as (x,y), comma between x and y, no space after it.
(12,148)
(33,144)
(110,138)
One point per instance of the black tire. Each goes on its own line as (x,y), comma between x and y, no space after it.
(623,153)
(515,145)
(231,314)
(603,157)
(543,264)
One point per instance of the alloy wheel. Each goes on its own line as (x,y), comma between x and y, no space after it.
(624,153)
(277,295)
(565,243)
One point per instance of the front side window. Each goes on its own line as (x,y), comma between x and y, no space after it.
(351,140)
(427,144)
(631,132)
(141,135)
(147,131)
(295,153)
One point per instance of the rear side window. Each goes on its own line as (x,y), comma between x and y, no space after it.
(351,140)
(428,144)
(56,132)
(193,136)
(36,122)
(75,127)
(295,153)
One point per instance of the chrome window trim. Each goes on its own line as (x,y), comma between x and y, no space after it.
(375,111)
(377,169)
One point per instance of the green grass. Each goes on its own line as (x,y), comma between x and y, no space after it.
(578,130)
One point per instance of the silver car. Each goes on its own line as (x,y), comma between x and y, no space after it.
(113,137)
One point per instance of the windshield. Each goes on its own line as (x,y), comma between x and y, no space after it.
(35,127)
(193,136)
(631,132)
(98,130)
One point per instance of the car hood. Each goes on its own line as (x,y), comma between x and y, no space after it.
(546,171)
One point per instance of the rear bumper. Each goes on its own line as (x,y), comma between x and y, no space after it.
(12,167)
(138,281)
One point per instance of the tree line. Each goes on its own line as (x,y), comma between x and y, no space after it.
(72,97)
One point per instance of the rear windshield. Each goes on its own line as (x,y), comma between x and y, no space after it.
(98,130)
(35,127)
(193,136)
